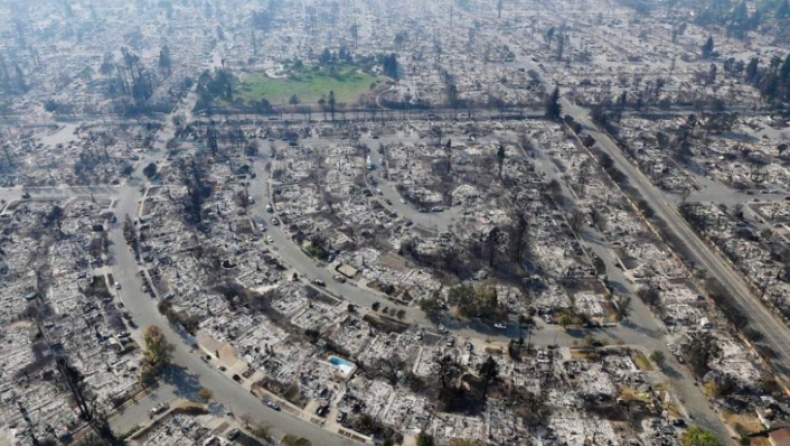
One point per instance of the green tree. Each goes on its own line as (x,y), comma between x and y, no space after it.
(659,358)
(424,439)
(431,306)
(553,107)
(294,100)
(697,436)
(158,353)
(565,319)
(292,440)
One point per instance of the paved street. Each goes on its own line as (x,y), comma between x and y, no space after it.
(191,373)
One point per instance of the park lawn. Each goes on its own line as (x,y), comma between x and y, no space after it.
(309,85)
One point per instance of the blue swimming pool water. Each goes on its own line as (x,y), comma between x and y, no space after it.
(338,361)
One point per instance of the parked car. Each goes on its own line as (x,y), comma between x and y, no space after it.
(318,282)
(339,278)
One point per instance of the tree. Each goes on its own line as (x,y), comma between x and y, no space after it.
(492,242)
(424,439)
(711,79)
(560,46)
(431,306)
(697,436)
(86,403)
(205,394)
(553,107)
(576,221)
(500,157)
(707,48)
(294,100)
(261,431)
(488,372)
(164,60)
(659,358)
(518,231)
(448,370)
(292,440)
(150,170)
(565,319)
(332,104)
(388,368)
(550,36)
(650,296)
(463,442)
(55,217)
(700,349)
(623,307)
(158,353)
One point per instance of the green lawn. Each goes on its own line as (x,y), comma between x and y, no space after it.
(309,85)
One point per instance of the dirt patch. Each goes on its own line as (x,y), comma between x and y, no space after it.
(393,261)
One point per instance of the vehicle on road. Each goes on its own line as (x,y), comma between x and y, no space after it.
(388,201)
(233,434)
(275,221)
(269,208)
(341,416)
(117,285)
(159,408)
(272,405)
(318,282)
(500,326)
(339,278)
(269,239)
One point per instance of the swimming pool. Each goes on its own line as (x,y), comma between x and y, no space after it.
(345,367)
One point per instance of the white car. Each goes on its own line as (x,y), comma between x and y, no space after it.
(159,408)
(500,326)
(269,239)
(117,285)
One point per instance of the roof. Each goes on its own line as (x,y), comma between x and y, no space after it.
(347,270)
(780,437)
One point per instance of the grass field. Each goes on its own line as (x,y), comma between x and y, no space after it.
(309,84)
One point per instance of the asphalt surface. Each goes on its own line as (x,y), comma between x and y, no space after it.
(191,372)
(777,333)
